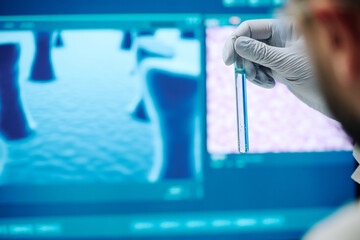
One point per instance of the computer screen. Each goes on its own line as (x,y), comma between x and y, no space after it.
(86,110)
(124,126)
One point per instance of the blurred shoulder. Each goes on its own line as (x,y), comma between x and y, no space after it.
(356,174)
(342,225)
(356,152)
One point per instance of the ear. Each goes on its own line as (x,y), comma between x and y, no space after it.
(342,30)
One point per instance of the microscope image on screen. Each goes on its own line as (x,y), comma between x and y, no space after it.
(99,105)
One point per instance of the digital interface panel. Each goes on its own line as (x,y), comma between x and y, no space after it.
(110,135)
(116,102)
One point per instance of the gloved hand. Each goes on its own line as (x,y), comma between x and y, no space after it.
(272,50)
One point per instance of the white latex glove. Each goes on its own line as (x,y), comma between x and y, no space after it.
(273,50)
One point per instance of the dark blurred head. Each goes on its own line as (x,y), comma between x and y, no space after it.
(332,32)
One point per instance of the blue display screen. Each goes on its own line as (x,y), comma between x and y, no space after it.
(124,126)
(113,103)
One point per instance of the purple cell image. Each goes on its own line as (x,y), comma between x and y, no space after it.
(278,121)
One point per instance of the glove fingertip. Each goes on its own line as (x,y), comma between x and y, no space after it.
(228,60)
(270,80)
(263,80)
(241,44)
(250,70)
(228,53)
(269,85)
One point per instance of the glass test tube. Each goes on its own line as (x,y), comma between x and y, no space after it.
(241,106)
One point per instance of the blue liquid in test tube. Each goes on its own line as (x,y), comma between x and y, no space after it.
(241,106)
